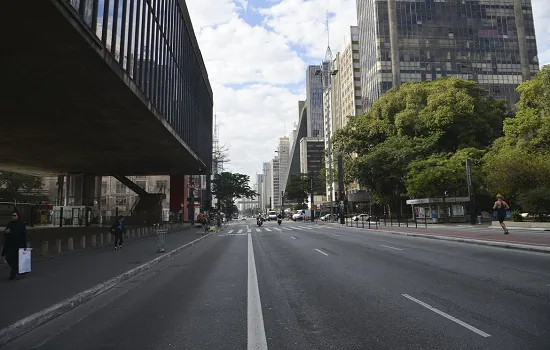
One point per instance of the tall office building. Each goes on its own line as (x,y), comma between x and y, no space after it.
(266,187)
(260,190)
(275,184)
(488,41)
(342,95)
(314,102)
(284,161)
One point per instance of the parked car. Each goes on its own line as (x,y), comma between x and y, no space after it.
(299,215)
(364,217)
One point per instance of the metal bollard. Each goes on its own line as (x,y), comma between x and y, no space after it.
(101,239)
(94,241)
(83,242)
(58,246)
(45,248)
(108,237)
(70,244)
(161,240)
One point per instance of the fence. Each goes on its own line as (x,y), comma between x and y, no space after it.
(391,220)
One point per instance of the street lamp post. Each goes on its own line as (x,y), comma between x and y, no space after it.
(327,89)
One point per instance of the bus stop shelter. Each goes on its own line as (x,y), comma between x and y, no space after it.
(440,209)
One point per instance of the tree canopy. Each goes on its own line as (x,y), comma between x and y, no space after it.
(20,187)
(408,139)
(297,188)
(228,186)
(519,161)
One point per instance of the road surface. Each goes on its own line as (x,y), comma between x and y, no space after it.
(306,286)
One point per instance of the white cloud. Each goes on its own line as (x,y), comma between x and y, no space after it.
(251,119)
(541,16)
(303,23)
(237,53)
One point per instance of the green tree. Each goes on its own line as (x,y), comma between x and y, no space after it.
(530,128)
(413,123)
(442,172)
(512,171)
(20,187)
(297,188)
(228,186)
(536,201)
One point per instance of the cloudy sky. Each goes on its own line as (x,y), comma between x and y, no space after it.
(256,53)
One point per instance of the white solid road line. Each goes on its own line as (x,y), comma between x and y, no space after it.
(387,246)
(258,230)
(240,231)
(265,228)
(255,318)
(230,232)
(322,252)
(456,320)
(292,237)
(248,229)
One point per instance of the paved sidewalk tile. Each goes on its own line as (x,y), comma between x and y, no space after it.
(54,280)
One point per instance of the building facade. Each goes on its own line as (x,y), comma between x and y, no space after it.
(267,185)
(312,160)
(314,102)
(488,41)
(260,189)
(284,161)
(275,184)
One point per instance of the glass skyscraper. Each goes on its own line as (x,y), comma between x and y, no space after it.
(314,102)
(488,41)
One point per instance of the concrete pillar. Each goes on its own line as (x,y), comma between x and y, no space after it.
(45,249)
(394,44)
(58,246)
(128,234)
(70,244)
(178,196)
(108,236)
(94,240)
(522,40)
(101,241)
(83,242)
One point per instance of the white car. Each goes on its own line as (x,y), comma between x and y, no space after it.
(365,217)
(299,215)
(271,215)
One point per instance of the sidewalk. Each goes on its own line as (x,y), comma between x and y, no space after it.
(466,232)
(54,280)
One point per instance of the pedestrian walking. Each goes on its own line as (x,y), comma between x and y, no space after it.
(118,231)
(15,238)
(501,207)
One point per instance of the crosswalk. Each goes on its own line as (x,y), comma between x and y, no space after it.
(247,230)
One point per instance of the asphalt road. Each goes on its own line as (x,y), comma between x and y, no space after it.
(321,287)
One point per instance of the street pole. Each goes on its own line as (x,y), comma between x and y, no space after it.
(312,208)
(341,188)
(331,200)
(282,202)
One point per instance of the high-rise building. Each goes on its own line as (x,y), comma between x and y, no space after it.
(267,185)
(342,94)
(312,156)
(275,184)
(284,161)
(488,41)
(314,102)
(260,189)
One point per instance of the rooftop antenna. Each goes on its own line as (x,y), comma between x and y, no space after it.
(328,32)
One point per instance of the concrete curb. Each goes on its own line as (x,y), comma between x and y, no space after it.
(516,246)
(28,323)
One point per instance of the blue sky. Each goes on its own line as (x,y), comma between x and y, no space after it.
(256,53)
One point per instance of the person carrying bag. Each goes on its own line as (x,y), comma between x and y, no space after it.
(15,239)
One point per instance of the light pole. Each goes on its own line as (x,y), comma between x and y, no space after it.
(326,90)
